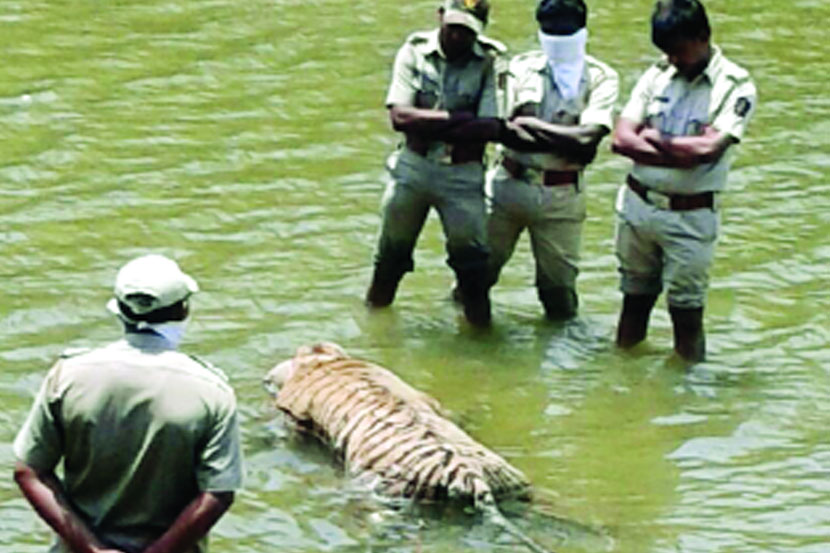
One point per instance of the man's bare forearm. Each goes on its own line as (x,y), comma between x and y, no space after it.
(688,151)
(576,142)
(629,142)
(45,493)
(193,523)
(649,146)
(432,124)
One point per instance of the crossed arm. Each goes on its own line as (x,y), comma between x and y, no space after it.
(575,142)
(437,124)
(45,492)
(648,146)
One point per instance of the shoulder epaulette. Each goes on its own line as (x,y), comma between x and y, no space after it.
(534,59)
(492,44)
(73,352)
(209,366)
(418,37)
(739,77)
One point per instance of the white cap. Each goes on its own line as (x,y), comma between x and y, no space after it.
(150,282)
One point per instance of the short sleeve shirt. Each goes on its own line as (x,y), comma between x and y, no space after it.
(531,83)
(722,96)
(141,431)
(422,77)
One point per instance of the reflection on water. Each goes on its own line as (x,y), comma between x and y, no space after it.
(248,141)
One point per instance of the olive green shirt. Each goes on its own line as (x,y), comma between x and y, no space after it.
(722,96)
(141,430)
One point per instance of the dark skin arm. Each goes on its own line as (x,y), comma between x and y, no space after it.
(193,523)
(648,146)
(45,493)
(576,142)
(436,124)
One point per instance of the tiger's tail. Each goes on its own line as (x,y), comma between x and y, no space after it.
(485,502)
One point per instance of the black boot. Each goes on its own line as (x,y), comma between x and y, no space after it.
(560,302)
(382,290)
(474,295)
(689,339)
(477,309)
(633,325)
(473,282)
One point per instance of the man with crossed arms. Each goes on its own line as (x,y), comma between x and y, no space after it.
(685,114)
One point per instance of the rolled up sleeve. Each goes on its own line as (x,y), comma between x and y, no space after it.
(220,463)
(39,443)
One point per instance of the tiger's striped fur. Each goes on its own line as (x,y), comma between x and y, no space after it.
(381,426)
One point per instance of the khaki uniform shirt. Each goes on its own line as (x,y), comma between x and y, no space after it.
(141,430)
(531,83)
(722,96)
(422,77)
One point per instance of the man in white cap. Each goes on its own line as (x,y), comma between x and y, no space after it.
(148,436)
(564,98)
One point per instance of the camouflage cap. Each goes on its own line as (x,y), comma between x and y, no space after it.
(470,13)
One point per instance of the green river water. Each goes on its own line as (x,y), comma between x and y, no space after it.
(247,140)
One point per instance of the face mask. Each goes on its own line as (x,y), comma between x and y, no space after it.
(171,331)
(566,58)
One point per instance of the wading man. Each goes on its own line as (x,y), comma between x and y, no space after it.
(443,99)
(685,114)
(564,99)
(148,436)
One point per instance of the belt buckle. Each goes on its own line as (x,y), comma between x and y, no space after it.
(658,200)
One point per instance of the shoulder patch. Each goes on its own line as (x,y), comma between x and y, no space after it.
(742,106)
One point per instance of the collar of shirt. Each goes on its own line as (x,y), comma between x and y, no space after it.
(433,46)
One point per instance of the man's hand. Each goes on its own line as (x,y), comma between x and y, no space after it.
(514,136)
(652,136)
(193,523)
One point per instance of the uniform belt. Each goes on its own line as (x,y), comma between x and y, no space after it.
(676,202)
(456,155)
(549,178)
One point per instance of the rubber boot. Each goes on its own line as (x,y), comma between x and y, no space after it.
(381,292)
(633,325)
(560,302)
(689,339)
(474,294)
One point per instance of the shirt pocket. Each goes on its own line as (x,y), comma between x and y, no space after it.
(429,90)
(462,90)
(657,113)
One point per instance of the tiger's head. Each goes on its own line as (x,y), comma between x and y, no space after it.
(305,356)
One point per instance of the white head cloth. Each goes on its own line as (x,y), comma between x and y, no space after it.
(566,57)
